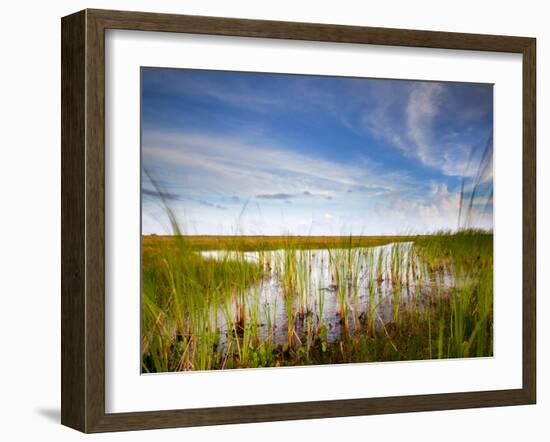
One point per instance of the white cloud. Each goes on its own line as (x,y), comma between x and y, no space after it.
(423,107)
(406,118)
(249,167)
(284,189)
(292,192)
(437,211)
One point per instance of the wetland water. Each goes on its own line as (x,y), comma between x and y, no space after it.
(342,289)
(215,303)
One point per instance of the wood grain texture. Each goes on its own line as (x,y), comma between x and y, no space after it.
(73,257)
(95,221)
(143,21)
(529,220)
(83,220)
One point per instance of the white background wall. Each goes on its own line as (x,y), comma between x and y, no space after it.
(30,217)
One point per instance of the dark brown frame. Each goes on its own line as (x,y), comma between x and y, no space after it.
(83,216)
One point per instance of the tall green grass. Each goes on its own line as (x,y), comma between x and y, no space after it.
(182,292)
(201,313)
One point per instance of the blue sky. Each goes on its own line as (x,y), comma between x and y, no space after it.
(255,153)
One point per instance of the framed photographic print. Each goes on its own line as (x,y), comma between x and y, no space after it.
(270,220)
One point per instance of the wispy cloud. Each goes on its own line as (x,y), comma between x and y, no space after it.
(308,154)
(199,85)
(427,122)
(200,167)
(251,166)
(208,204)
(275,196)
(288,196)
(155,194)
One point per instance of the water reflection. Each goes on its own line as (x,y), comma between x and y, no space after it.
(342,289)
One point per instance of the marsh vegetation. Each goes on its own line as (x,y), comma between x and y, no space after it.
(242,301)
(233,160)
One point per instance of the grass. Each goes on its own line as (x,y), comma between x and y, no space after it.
(203,313)
(258,243)
(181,293)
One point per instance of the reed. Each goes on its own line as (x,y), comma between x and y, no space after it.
(204,311)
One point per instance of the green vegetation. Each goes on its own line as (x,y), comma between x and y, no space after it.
(256,243)
(421,297)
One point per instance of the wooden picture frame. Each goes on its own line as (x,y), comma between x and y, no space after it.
(83,220)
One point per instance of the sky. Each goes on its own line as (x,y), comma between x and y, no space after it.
(275,154)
